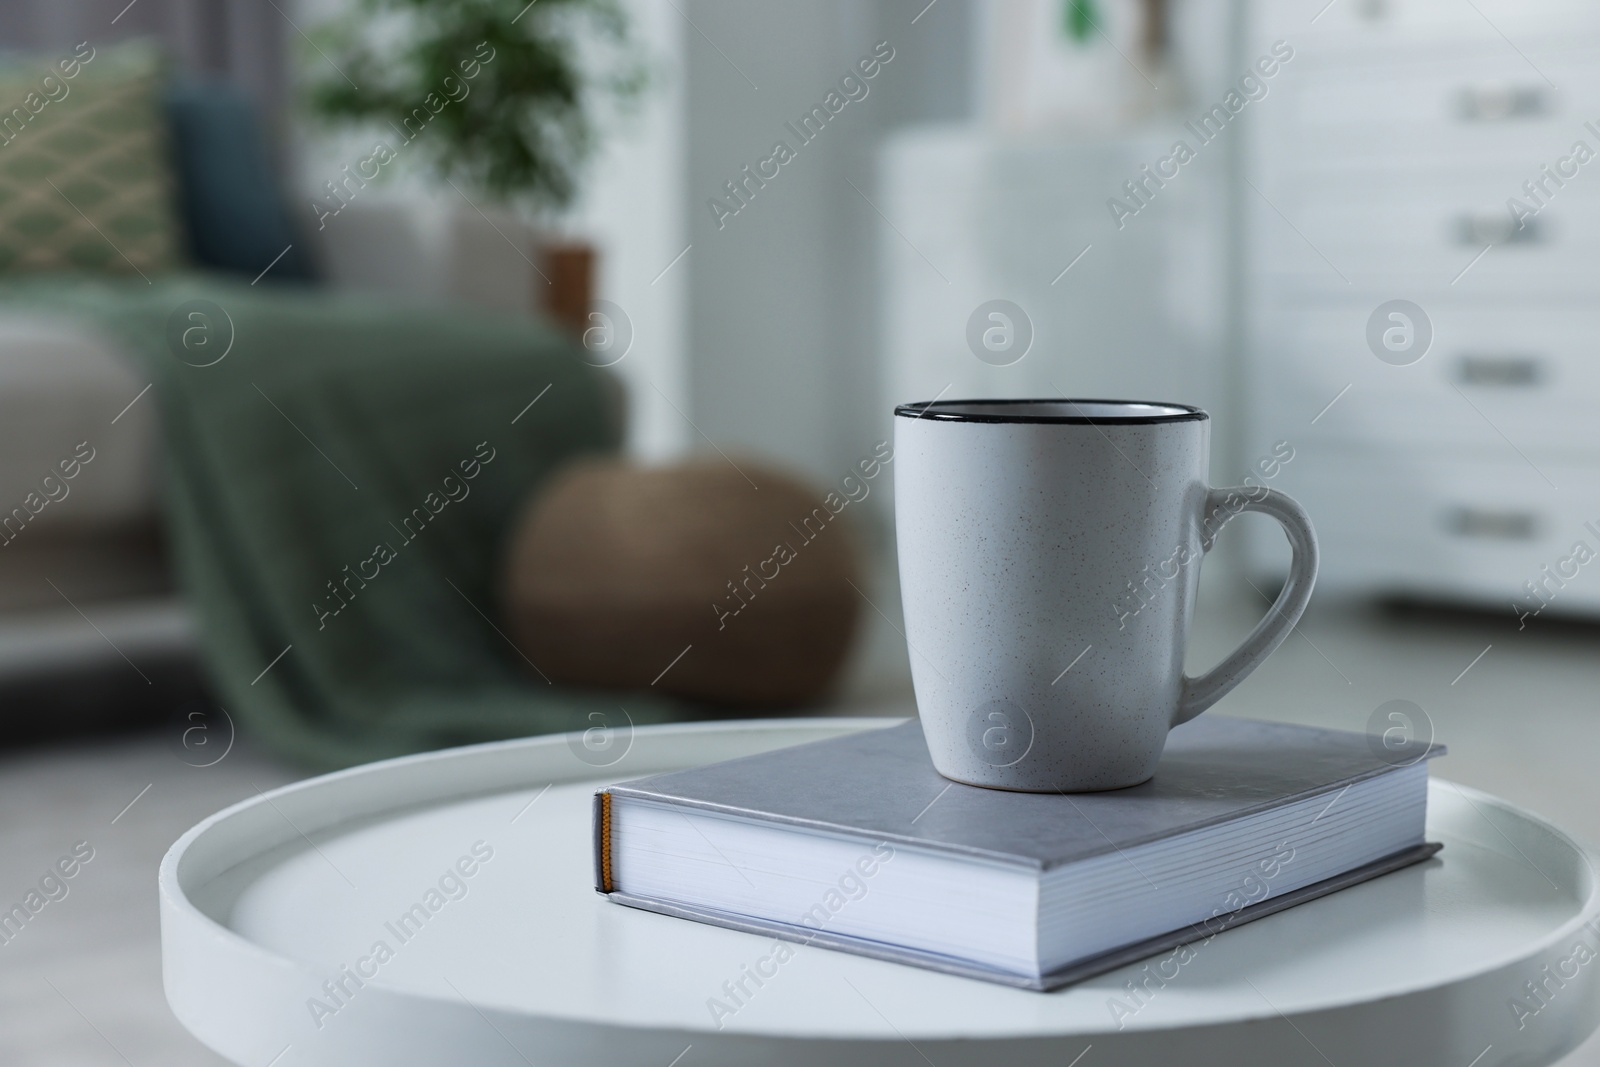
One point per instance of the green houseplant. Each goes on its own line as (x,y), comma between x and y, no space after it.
(499,93)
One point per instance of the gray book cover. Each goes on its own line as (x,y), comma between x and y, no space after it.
(873,784)
(881,785)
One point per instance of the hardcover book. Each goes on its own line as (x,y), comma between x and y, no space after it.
(856,843)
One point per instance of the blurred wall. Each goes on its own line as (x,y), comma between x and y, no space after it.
(782,355)
(632,208)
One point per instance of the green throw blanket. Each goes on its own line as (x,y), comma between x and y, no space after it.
(340,486)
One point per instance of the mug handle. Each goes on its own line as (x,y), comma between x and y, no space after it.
(1200,693)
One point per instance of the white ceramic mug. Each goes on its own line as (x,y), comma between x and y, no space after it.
(1049,555)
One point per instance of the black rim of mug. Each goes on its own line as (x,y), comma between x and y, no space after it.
(1157,411)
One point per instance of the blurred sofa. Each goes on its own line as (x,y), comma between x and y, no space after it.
(123,161)
(96,548)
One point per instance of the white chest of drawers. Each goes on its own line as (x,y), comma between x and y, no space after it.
(1383,168)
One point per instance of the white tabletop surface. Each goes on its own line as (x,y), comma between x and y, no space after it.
(520,961)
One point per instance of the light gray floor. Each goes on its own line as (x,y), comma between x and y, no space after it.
(81,985)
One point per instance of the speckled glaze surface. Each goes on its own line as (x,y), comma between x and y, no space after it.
(1049,556)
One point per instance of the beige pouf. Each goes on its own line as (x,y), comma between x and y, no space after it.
(616,569)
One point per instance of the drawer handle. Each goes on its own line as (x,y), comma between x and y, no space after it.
(1502,371)
(1498,103)
(1496,228)
(1492,525)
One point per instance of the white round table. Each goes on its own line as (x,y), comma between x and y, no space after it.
(439,909)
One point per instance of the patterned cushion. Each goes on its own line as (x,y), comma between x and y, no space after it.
(85,182)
